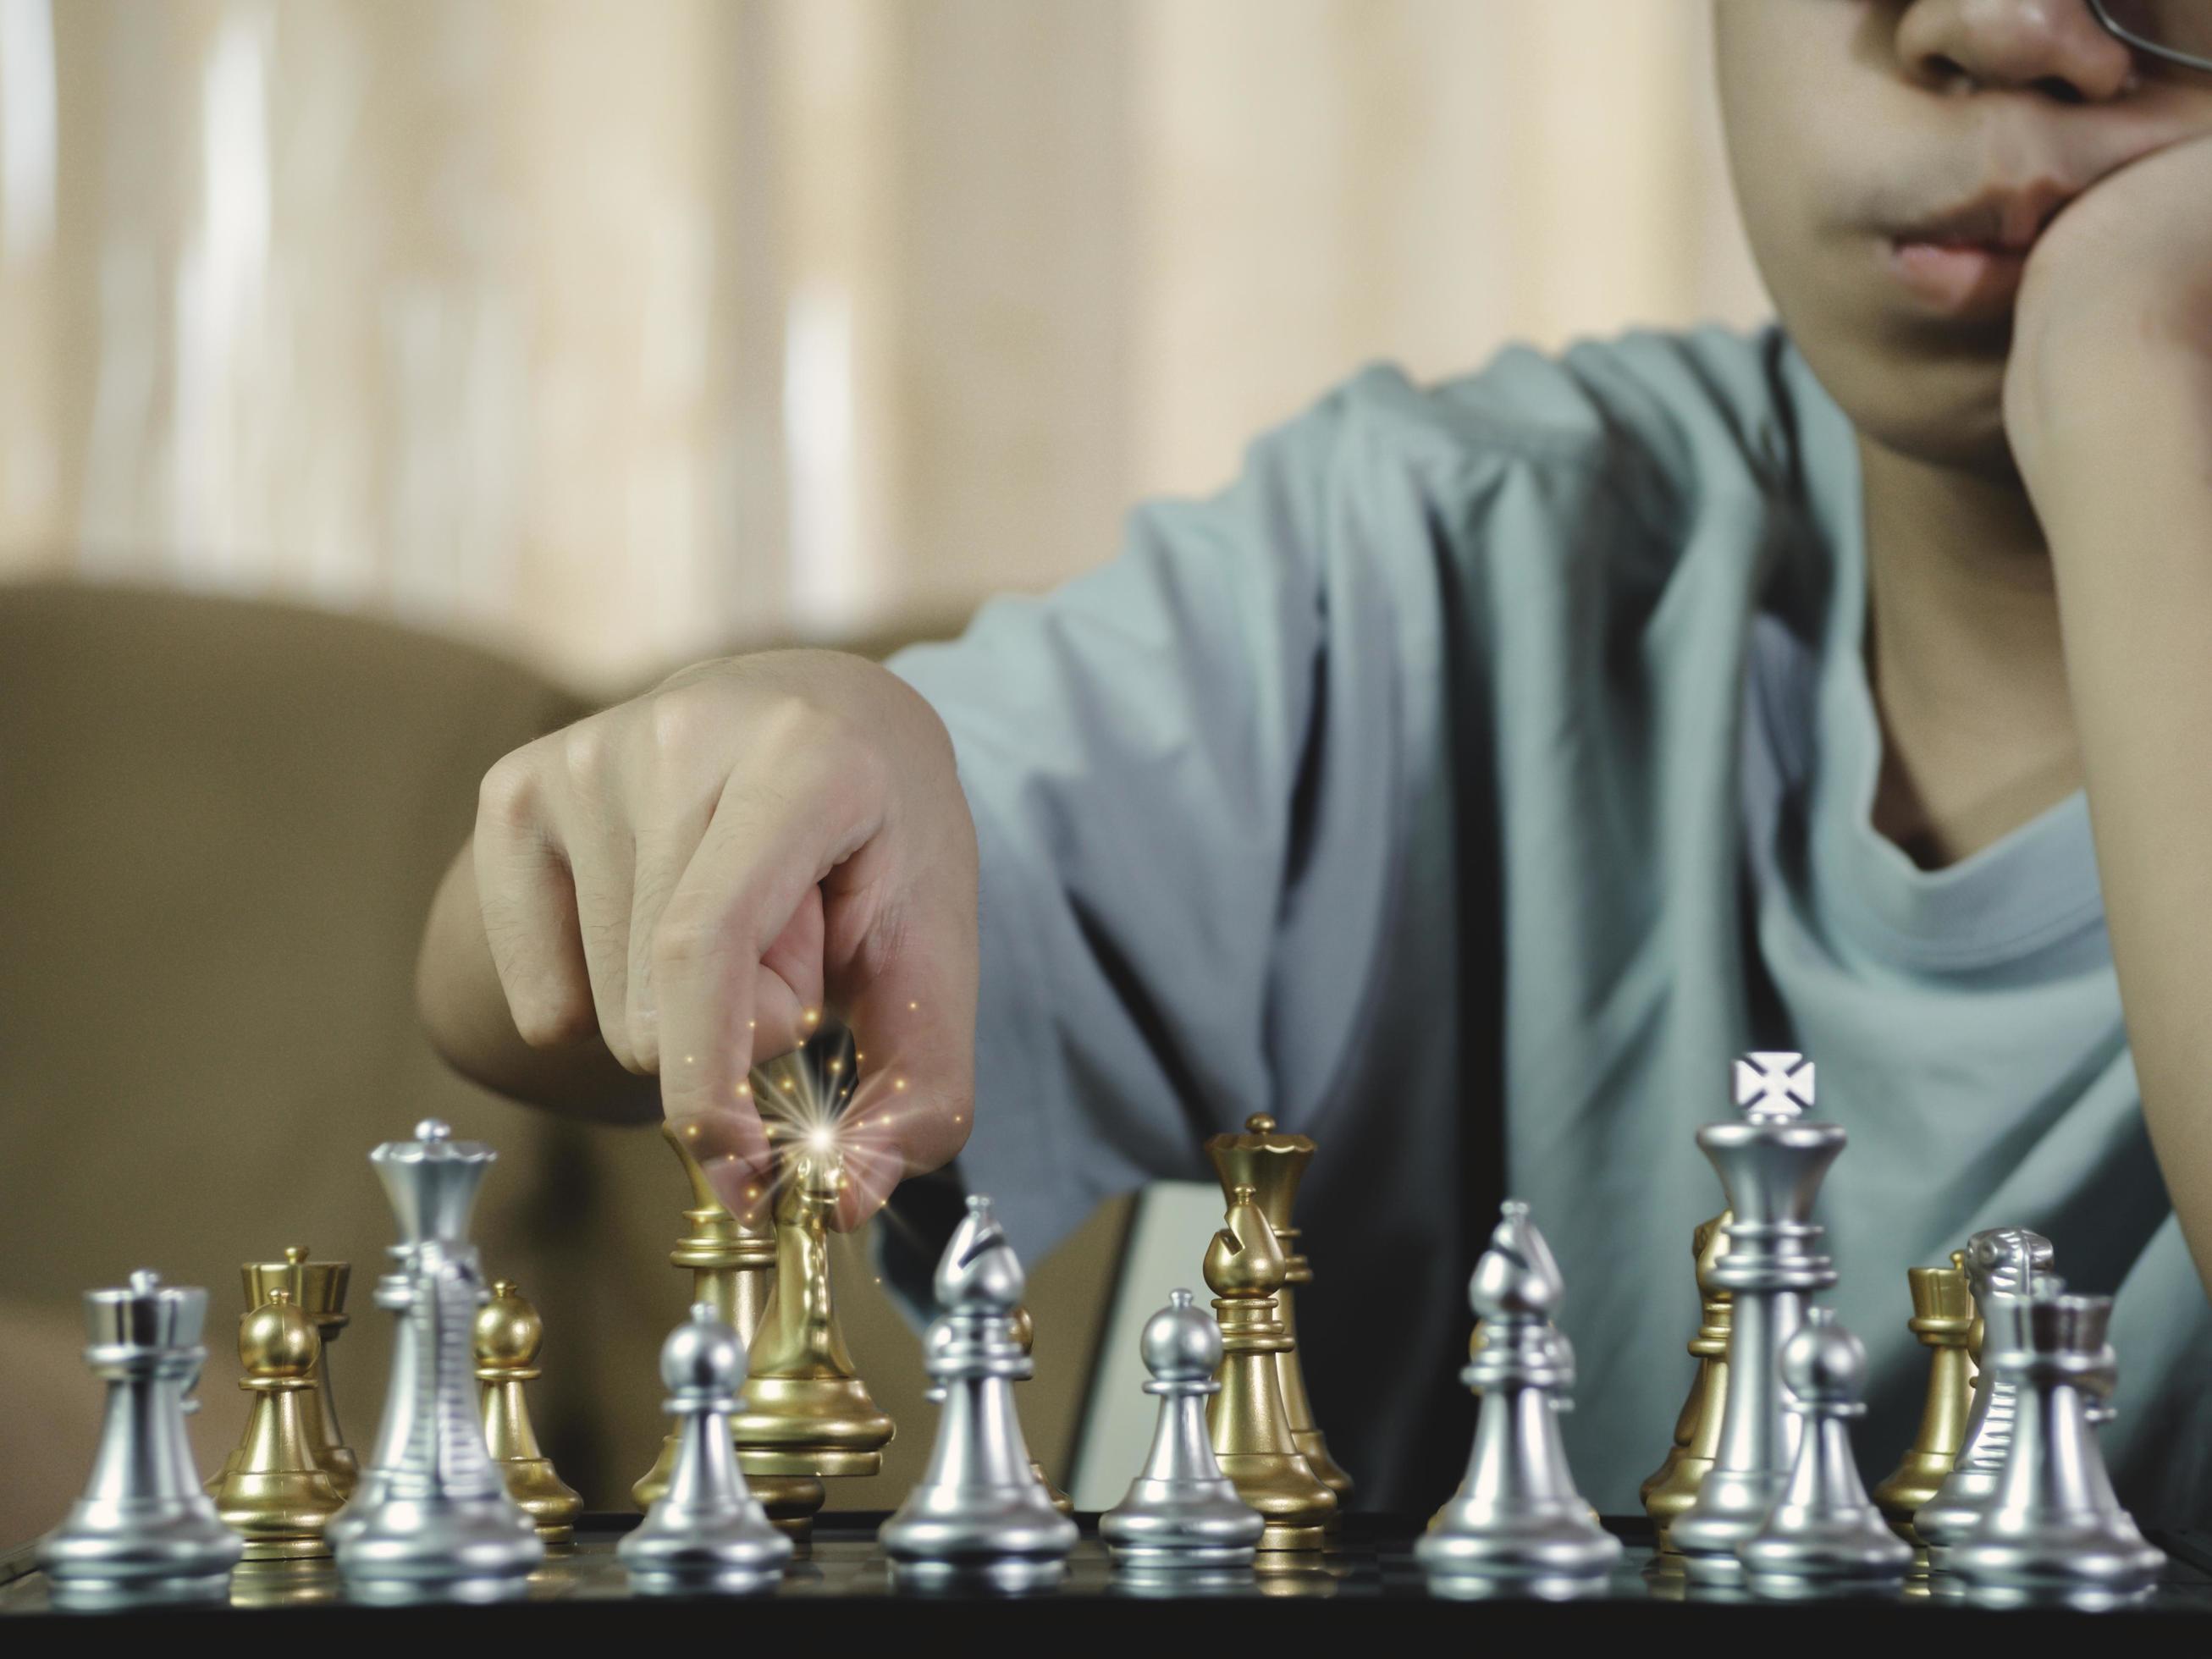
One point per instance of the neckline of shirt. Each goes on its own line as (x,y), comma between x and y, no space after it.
(2032,888)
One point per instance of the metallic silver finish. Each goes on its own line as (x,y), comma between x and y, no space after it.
(144,1531)
(1771,1162)
(1517,1517)
(979,1517)
(1824,1533)
(1181,1513)
(707,1532)
(2056,1530)
(2003,1264)
(432,1517)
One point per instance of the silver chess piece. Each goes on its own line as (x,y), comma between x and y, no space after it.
(1182,1512)
(1824,1534)
(1517,1516)
(1771,1162)
(979,1516)
(144,1531)
(2056,1530)
(707,1532)
(432,1516)
(2003,1264)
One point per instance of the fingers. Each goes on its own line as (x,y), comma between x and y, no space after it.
(748,883)
(667,840)
(529,908)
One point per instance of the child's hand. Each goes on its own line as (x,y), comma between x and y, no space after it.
(2113,325)
(689,874)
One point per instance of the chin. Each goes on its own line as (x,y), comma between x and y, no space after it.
(1935,395)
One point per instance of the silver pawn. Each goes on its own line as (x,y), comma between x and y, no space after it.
(1182,1512)
(707,1532)
(1824,1534)
(432,1516)
(1517,1516)
(1770,1163)
(2003,1264)
(144,1531)
(979,1516)
(2056,1528)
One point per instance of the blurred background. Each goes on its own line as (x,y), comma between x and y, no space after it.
(611,334)
(382,382)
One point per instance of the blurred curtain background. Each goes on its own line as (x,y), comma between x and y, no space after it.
(611,332)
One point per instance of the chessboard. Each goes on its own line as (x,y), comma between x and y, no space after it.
(1367,1575)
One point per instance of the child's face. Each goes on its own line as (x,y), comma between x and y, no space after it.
(1852,122)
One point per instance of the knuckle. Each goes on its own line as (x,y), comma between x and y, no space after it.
(687,936)
(509,795)
(682,720)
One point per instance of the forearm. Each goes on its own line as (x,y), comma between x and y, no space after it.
(465,1012)
(2133,557)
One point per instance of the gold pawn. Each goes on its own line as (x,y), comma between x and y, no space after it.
(1245,1269)
(508,1333)
(1944,1319)
(732,1269)
(276,1494)
(1026,1333)
(1672,1487)
(806,1412)
(317,1290)
(1272,1164)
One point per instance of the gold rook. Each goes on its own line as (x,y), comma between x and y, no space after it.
(1943,1318)
(1672,1487)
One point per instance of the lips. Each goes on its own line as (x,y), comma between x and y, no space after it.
(1967,260)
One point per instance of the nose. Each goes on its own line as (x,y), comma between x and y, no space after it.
(2056,47)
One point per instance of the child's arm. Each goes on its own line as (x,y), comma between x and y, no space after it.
(2108,403)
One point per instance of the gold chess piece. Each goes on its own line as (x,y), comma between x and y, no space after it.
(732,1269)
(1272,1165)
(1944,1319)
(319,1290)
(508,1333)
(1672,1487)
(276,1493)
(1245,1269)
(1026,1333)
(806,1413)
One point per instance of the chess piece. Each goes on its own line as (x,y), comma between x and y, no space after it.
(431,1515)
(508,1335)
(807,1414)
(732,1269)
(319,1290)
(2055,1528)
(1250,1427)
(2002,1264)
(144,1531)
(1824,1533)
(1670,1489)
(1272,1164)
(1182,1512)
(1943,1319)
(1517,1516)
(707,1532)
(1771,1162)
(1026,1333)
(278,1494)
(978,1516)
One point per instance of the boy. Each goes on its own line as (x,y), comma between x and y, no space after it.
(1469,782)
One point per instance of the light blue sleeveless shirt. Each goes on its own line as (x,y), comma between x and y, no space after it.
(1465,785)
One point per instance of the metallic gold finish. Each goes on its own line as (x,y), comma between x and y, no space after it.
(508,1333)
(806,1413)
(319,1291)
(732,1269)
(277,1495)
(1025,1334)
(1246,1269)
(1945,1321)
(1272,1165)
(1672,1487)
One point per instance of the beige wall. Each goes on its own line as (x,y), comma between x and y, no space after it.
(612,334)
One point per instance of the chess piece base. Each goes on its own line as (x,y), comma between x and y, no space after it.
(2093,1554)
(1528,1547)
(406,1544)
(1911,1487)
(114,1554)
(1838,1553)
(1010,1539)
